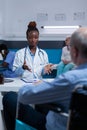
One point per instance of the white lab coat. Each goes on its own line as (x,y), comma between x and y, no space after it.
(66,54)
(40,60)
(1,58)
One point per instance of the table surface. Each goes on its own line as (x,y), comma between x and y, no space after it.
(11,86)
(16,84)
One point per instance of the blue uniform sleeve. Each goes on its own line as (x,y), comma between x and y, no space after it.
(19,71)
(10,57)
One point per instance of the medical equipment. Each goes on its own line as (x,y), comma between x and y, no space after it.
(40,55)
(40,52)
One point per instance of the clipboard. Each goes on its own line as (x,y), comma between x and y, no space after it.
(7,80)
(26,80)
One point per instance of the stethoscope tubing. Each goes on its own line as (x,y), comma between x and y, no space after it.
(39,53)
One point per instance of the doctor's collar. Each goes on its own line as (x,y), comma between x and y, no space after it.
(32,54)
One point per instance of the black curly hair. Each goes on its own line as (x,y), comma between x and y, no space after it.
(3,47)
(32,27)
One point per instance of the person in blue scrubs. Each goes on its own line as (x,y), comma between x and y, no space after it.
(8,59)
(59,90)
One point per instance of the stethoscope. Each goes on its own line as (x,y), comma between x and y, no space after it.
(40,54)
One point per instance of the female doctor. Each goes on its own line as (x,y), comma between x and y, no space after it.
(31,61)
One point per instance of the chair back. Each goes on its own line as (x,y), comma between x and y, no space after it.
(78,109)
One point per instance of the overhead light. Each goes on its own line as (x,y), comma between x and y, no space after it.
(60,27)
(58,30)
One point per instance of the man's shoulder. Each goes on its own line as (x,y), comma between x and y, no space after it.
(76,75)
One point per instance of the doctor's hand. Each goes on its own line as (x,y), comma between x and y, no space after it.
(25,67)
(48,69)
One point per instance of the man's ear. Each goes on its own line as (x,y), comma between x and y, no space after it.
(75,51)
(26,37)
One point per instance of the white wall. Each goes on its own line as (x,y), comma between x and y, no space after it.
(1,18)
(15,15)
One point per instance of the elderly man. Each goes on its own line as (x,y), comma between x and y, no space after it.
(58,90)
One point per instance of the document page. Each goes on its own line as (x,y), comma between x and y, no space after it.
(27,80)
